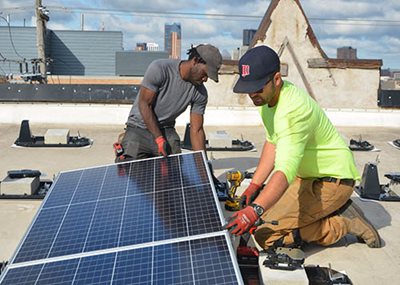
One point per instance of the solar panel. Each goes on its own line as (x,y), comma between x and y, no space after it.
(154,221)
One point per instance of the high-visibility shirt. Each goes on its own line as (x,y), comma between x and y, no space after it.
(307,144)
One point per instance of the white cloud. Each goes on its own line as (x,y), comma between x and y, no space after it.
(372,37)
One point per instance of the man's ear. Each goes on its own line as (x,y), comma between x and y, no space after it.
(278,79)
(196,60)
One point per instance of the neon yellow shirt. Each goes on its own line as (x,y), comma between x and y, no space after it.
(307,144)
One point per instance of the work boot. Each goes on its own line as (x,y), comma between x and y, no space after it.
(358,224)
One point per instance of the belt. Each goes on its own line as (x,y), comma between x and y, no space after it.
(166,125)
(347,182)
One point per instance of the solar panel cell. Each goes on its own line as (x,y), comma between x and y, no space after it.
(170,216)
(167,174)
(106,224)
(141,178)
(134,267)
(97,269)
(193,170)
(138,220)
(114,184)
(22,276)
(202,213)
(89,185)
(212,262)
(63,189)
(57,273)
(40,238)
(74,229)
(172,264)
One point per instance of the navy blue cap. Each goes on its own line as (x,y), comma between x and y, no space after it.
(256,67)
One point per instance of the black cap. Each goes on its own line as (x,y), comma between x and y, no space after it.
(213,58)
(256,67)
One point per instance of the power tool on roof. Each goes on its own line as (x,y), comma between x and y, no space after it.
(234,179)
(118,149)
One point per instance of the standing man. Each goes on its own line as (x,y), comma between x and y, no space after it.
(169,86)
(311,170)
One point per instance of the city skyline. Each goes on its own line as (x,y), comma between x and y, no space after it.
(373,28)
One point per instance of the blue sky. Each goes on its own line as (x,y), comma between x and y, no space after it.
(373,27)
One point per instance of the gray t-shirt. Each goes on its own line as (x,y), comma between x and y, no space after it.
(174,94)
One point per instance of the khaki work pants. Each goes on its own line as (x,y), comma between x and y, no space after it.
(307,205)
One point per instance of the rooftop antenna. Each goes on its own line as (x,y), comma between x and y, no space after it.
(82,22)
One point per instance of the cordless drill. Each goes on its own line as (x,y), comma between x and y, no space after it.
(234,179)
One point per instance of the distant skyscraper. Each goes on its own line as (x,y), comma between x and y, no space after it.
(347,53)
(248,36)
(152,46)
(147,47)
(141,46)
(172,40)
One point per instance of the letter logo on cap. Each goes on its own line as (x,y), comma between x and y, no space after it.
(245,70)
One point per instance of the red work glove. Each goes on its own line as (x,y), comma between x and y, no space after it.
(242,221)
(250,194)
(162,145)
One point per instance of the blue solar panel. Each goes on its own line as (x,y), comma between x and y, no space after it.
(90,185)
(153,221)
(134,267)
(22,276)
(40,238)
(63,189)
(96,269)
(72,236)
(200,261)
(138,220)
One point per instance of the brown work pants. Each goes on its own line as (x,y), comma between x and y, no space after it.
(307,205)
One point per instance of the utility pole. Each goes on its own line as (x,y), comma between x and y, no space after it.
(41,19)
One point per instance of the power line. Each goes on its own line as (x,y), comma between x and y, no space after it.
(18,9)
(356,22)
(5,73)
(210,16)
(1,55)
(149,12)
(220,16)
(11,39)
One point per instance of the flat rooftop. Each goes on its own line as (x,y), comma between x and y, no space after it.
(362,264)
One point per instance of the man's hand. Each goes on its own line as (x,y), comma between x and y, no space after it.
(242,221)
(250,194)
(162,145)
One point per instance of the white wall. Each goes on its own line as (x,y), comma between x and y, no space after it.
(332,88)
(87,114)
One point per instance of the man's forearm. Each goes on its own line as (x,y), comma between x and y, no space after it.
(197,139)
(265,164)
(273,191)
(150,119)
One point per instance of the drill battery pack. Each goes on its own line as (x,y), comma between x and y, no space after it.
(118,150)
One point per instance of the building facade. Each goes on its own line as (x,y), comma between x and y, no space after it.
(68,52)
(147,47)
(347,53)
(172,40)
(248,35)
